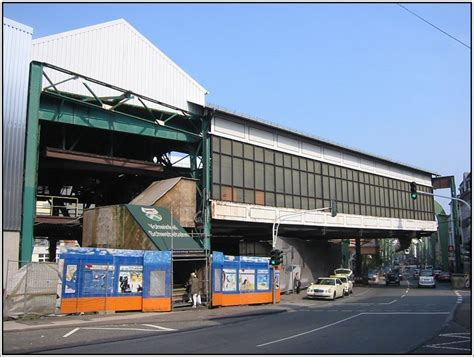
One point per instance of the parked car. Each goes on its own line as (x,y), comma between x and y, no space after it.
(416,273)
(426,279)
(444,276)
(328,288)
(373,274)
(348,285)
(345,272)
(436,272)
(392,277)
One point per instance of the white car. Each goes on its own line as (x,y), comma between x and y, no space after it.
(426,279)
(328,288)
(348,284)
(345,272)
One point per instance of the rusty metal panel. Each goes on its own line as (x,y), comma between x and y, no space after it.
(16,60)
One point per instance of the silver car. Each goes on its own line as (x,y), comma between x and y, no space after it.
(426,279)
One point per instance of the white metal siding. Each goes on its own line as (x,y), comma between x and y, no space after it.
(16,59)
(115,53)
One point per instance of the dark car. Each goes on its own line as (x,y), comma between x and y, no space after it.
(392,277)
(444,276)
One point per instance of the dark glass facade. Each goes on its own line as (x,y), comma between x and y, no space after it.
(251,174)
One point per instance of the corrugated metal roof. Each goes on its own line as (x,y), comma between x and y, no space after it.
(115,52)
(16,60)
(155,191)
(313,137)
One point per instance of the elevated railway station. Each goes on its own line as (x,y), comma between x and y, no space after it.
(96,140)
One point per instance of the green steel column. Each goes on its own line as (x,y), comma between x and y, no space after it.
(206,173)
(443,235)
(457,236)
(31,163)
(193,165)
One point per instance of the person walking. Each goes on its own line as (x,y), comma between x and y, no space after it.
(195,289)
(297,283)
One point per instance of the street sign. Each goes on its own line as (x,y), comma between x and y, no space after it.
(450,248)
(441,182)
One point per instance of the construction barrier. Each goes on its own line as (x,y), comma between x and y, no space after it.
(97,279)
(243,280)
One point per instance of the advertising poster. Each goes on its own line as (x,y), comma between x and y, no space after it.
(263,279)
(229,280)
(130,279)
(70,279)
(247,280)
(98,279)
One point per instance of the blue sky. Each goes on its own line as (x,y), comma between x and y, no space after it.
(368,76)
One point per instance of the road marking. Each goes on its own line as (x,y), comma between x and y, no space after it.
(448,348)
(116,328)
(457,335)
(387,303)
(160,327)
(403,296)
(407,313)
(71,332)
(310,331)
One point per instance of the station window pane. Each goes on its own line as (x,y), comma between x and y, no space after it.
(287,160)
(362,192)
(332,170)
(279,179)
(288,201)
(325,168)
(249,196)
(311,203)
(303,166)
(226,146)
(216,168)
(332,188)
(296,202)
(269,179)
(288,185)
(259,176)
(280,200)
(326,187)
(372,179)
(259,197)
(356,193)
(345,207)
(216,147)
(320,203)
(269,156)
(339,189)
(248,174)
(238,195)
(311,185)
(226,170)
(351,208)
(318,186)
(216,192)
(349,174)
(296,182)
(248,151)
(357,209)
(345,196)
(310,165)
(304,202)
(338,172)
(350,191)
(295,163)
(269,199)
(237,172)
(237,149)
(279,158)
(317,167)
(226,193)
(304,184)
(258,153)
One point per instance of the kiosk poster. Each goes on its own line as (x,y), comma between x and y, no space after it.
(247,279)
(229,280)
(262,279)
(70,279)
(130,279)
(98,279)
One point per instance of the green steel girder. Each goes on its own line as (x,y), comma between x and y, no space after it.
(65,110)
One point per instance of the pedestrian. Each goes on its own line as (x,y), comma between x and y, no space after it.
(297,283)
(195,289)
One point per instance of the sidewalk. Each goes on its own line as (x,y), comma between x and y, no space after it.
(178,315)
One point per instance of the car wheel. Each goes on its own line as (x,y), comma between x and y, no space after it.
(398,283)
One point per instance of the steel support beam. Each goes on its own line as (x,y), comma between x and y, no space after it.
(206,177)
(31,163)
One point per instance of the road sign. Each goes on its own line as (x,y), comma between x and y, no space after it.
(450,248)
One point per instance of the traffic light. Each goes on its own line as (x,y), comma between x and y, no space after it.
(276,257)
(333,208)
(413,193)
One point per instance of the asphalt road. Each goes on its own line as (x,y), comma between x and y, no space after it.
(378,320)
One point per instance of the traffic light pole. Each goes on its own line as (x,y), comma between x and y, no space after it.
(451,198)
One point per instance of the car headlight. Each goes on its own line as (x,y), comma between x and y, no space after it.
(329,291)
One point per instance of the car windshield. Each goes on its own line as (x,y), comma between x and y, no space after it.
(344,280)
(326,282)
(342,271)
(426,273)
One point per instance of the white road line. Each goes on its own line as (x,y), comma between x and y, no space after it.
(387,303)
(71,332)
(403,296)
(349,318)
(448,348)
(449,343)
(310,331)
(457,335)
(117,328)
(160,327)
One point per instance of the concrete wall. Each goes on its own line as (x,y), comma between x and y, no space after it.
(315,258)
